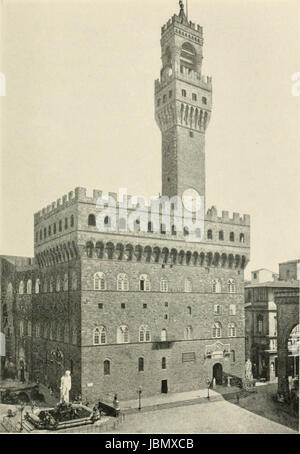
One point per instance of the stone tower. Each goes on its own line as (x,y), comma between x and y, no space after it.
(183,98)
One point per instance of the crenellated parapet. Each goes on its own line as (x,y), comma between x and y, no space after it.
(226,218)
(194,77)
(80,195)
(181,25)
(56,206)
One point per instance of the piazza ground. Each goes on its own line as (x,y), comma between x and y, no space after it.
(258,413)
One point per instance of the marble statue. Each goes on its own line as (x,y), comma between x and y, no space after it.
(248,370)
(65,386)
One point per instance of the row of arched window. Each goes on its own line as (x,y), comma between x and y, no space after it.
(217,330)
(221,236)
(141,365)
(100,283)
(137,228)
(100,333)
(57,284)
(52,229)
(52,331)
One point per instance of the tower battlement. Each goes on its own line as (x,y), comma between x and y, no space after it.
(80,195)
(182,21)
(237,218)
(204,82)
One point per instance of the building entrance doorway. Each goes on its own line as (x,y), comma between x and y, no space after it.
(164,386)
(217,373)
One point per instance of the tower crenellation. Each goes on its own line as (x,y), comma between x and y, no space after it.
(183,102)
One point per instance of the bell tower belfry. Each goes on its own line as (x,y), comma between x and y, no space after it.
(183,99)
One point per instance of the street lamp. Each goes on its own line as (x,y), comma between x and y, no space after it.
(140,397)
(22,406)
(208,386)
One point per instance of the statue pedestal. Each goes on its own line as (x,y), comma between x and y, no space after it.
(249,384)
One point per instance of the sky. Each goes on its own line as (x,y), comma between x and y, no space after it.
(79,110)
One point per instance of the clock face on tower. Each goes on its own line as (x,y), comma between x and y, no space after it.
(191,200)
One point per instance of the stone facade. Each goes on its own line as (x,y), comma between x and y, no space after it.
(193,309)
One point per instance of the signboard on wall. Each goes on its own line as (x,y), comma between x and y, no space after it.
(217,350)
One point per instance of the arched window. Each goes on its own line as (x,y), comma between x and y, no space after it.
(66,282)
(45,287)
(37,286)
(51,284)
(221,235)
(217,309)
(74,335)
(89,249)
(74,280)
(231,236)
(122,334)
(51,332)
(92,220)
(99,281)
(231,286)
(188,56)
(21,328)
(150,228)
(216,286)
(188,333)
(242,238)
(107,221)
(232,309)
(29,287)
(188,286)
(37,330)
(144,334)
(99,336)
(198,233)
(231,330)
(66,333)
(9,290)
(29,329)
(163,284)
(233,356)
(164,363)
(71,221)
(122,282)
(174,230)
(141,364)
(122,224)
(186,231)
(163,335)
(58,284)
(217,330)
(260,326)
(21,288)
(209,234)
(189,309)
(106,367)
(144,283)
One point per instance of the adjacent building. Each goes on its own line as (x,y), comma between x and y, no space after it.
(261,320)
